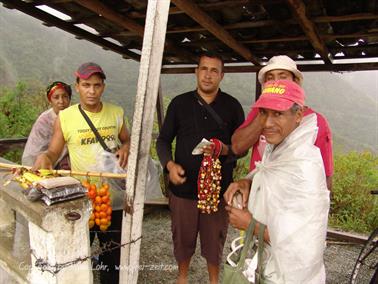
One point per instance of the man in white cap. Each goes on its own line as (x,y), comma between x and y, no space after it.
(248,135)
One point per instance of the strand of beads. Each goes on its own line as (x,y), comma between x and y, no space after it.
(209,180)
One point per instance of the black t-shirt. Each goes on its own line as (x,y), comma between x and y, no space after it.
(188,121)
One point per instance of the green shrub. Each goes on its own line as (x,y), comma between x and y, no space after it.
(353,207)
(242,167)
(19,108)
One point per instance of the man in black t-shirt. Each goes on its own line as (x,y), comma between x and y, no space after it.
(188,120)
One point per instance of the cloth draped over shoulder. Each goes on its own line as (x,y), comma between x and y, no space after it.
(289,194)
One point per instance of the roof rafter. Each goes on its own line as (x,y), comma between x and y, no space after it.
(101,9)
(304,68)
(213,27)
(268,23)
(299,11)
(68,27)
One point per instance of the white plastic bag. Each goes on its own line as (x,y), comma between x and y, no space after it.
(250,263)
(153,188)
(108,163)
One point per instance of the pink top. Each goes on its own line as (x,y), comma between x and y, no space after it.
(323,141)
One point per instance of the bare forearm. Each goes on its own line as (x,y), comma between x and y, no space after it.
(244,138)
(329,183)
(53,157)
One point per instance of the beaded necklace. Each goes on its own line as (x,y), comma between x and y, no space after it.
(209,179)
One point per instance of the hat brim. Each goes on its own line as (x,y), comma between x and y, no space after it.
(274,103)
(273,66)
(89,74)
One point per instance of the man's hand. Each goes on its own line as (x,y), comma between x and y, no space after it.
(243,186)
(209,150)
(176,173)
(122,155)
(238,218)
(42,162)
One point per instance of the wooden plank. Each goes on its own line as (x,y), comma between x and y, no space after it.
(299,11)
(347,237)
(211,6)
(101,9)
(148,84)
(303,68)
(192,10)
(12,144)
(346,18)
(157,201)
(29,9)
(265,23)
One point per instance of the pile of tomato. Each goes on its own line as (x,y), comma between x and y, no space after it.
(102,210)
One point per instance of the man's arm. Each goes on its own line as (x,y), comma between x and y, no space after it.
(123,151)
(164,146)
(324,143)
(329,183)
(48,159)
(247,134)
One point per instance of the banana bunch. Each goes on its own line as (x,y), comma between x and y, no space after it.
(26,178)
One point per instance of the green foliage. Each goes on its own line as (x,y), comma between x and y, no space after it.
(353,207)
(14,156)
(19,108)
(242,167)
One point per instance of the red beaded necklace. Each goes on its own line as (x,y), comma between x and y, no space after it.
(209,179)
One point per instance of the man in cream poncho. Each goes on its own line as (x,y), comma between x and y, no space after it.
(289,192)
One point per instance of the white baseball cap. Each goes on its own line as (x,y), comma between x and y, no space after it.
(280,62)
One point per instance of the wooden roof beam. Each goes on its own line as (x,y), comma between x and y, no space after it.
(213,27)
(210,6)
(299,11)
(269,23)
(346,18)
(29,9)
(303,68)
(101,9)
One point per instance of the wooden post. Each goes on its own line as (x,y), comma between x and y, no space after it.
(148,84)
(160,118)
(258,88)
(160,107)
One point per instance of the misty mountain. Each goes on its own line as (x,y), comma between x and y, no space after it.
(32,52)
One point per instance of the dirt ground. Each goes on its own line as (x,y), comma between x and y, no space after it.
(158,264)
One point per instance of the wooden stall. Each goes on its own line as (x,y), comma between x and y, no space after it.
(167,37)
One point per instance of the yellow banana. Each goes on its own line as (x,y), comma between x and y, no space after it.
(24,185)
(30,177)
(45,172)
